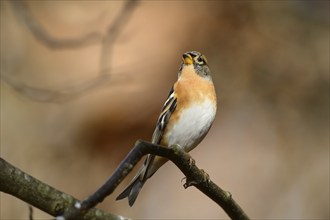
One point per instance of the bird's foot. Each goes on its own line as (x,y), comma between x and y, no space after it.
(205,178)
(192,162)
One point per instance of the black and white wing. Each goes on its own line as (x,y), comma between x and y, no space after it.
(164,117)
(157,136)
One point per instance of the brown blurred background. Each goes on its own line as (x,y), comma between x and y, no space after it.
(68,120)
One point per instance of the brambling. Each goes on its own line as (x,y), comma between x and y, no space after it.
(185,119)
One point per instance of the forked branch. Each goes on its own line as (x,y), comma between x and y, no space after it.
(25,187)
(194,177)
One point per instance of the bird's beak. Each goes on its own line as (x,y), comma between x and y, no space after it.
(187,59)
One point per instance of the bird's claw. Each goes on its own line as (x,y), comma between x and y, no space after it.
(206,177)
(188,183)
(191,162)
(184,178)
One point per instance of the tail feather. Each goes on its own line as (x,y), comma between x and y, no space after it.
(133,189)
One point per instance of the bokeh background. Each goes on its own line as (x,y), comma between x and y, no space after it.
(70,113)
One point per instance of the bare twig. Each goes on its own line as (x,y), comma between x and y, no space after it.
(194,175)
(25,187)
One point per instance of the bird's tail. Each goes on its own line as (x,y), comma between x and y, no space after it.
(133,189)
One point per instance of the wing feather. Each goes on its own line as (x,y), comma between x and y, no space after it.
(167,110)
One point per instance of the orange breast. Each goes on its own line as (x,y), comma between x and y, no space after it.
(190,89)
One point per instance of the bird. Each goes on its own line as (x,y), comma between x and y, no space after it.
(185,119)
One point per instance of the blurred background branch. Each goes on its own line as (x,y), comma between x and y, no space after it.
(56,95)
(22,11)
(113,32)
(106,40)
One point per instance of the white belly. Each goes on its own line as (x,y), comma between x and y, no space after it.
(192,126)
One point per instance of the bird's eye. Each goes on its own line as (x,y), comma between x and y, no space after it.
(200,60)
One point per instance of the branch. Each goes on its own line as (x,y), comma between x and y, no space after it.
(25,187)
(58,95)
(194,176)
(113,32)
(22,11)
(106,40)
(21,185)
